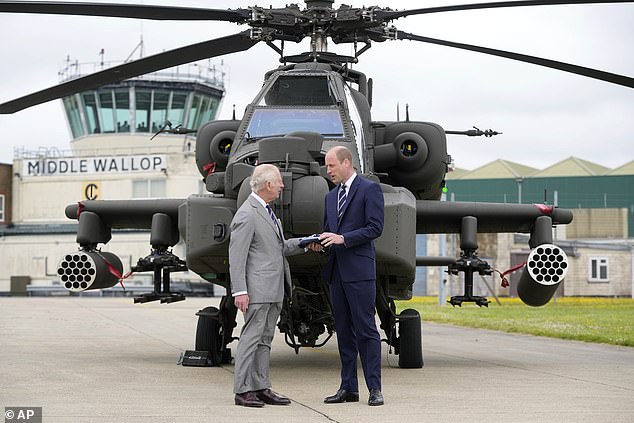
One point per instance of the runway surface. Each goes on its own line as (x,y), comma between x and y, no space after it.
(109,360)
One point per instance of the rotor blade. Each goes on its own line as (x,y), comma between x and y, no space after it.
(389,15)
(126,11)
(212,48)
(566,67)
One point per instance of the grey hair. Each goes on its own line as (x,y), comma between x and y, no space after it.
(261,175)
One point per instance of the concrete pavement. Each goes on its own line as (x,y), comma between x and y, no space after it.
(109,360)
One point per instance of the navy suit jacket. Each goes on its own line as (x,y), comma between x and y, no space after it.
(360,224)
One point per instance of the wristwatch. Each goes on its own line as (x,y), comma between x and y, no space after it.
(343,239)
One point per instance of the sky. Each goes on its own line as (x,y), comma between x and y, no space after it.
(545,115)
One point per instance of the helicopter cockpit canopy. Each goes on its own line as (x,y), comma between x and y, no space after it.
(268,122)
(297,102)
(299,90)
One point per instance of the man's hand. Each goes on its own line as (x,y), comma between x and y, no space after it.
(328,238)
(242,302)
(313,246)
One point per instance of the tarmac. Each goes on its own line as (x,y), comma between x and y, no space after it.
(109,360)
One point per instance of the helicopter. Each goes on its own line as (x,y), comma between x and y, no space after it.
(314,101)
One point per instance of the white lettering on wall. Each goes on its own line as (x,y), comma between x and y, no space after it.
(93,165)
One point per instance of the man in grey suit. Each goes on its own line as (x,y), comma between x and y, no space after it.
(258,272)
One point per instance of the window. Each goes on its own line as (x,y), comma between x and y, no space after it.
(149,188)
(177,110)
(159,109)
(598,270)
(298,90)
(279,122)
(92,114)
(143,106)
(122,100)
(74,118)
(106,107)
(1,207)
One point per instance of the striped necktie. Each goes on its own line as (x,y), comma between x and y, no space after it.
(341,201)
(270,210)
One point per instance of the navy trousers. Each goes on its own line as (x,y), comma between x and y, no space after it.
(353,305)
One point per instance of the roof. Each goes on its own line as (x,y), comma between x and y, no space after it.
(456,173)
(498,169)
(626,169)
(572,166)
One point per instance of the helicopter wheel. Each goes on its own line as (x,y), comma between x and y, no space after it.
(411,347)
(209,334)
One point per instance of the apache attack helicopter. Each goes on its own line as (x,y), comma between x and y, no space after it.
(311,103)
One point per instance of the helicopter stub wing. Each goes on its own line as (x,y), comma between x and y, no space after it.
(434,217)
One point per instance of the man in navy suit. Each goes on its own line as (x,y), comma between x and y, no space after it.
(354,218)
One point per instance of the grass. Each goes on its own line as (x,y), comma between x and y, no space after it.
(601,320)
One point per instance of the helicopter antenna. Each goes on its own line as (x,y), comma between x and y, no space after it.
(475,132)
(234,112)
(398,112)
(406,112)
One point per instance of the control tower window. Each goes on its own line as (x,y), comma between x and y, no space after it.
(74,118)
(106,106)
(299,91)
(176,113)
(159,109)
(92,115)
(142,114)
(122,107)
(203,110)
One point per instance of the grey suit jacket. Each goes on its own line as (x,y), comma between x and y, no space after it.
(256,254)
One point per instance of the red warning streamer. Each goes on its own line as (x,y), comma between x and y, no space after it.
(505,281)
(115,272)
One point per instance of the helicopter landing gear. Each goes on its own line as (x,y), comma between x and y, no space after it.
(215,329)
(407,340)
(469,263)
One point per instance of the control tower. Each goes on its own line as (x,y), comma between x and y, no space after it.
(125,115)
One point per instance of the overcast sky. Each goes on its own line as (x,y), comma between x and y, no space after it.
(546,115)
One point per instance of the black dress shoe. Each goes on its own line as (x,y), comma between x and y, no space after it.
(270,397)
(342,396)
(248,399)
(376,397)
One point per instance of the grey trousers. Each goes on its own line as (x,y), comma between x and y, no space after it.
(254,348)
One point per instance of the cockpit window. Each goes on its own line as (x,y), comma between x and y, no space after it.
(302,90)
(269,122)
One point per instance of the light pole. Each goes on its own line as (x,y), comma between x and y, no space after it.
(519,189)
